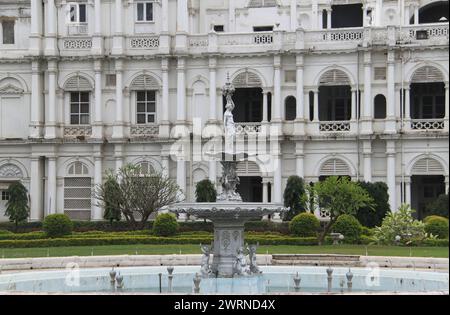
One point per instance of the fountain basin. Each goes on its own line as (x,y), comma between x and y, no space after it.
(275,279)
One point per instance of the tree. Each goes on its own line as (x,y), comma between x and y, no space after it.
(294,197)
(17,208)
(337,196)
(205,191)
(373,217)
(139,193)
(112,200)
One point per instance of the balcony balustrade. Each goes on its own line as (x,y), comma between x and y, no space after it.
(427,124)
(144,131)
(334,126)
(248,128)
(330,39)
(77,131)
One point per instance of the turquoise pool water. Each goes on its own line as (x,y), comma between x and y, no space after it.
(274,279)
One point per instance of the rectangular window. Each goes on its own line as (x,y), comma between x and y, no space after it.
(144,12)
(82,9)
(5,195)
(218,28)
(262,28)
(79,108)
(145,107)
(8,32)
(77,13)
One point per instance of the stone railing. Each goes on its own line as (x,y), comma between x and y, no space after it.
(144,131)
(425,33)
(76,43)
(427,124)
(143,42)
(198,41)
(77,131)
(332,39)
(246,39)
(248,128)
(334,126)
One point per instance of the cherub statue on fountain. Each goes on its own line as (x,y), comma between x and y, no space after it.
(205,267)
(241,268)
(254,269)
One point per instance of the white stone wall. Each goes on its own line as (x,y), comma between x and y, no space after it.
(35,109)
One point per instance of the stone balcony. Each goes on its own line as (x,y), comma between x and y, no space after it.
(259,42)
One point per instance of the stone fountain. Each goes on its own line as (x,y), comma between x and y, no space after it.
(229,213)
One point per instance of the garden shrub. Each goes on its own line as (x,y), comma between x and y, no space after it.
(437,226)
(367,231)
(57,225)
(304,224)
(400,223)
(165,225)
(6,232)
(379,193)
(348,226)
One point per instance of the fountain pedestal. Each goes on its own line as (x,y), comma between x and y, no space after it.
(228,219)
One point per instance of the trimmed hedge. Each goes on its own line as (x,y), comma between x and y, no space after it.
(57,225)
(437,226)
(349,226)
(165,225)
(304,224)
(96,241)
(123,226)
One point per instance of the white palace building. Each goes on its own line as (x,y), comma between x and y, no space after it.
(356,88)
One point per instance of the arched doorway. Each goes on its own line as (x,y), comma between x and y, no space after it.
(434,12)
(78,192)
(251,186)
(9,173)
(248,98)
(335,96)
(427,183)
(427,94)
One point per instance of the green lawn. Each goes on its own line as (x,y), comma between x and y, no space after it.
(194,249)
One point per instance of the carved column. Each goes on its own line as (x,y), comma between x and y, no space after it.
(50,124)
(212,90)
(36,189)
(118,123)
(37,103)
(390,119)
(391,182)
(97,130)
(51,185)
(367,155)
(164,127)
(97,211)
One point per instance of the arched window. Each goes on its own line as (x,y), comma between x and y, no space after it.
(380,106)
(146,168)
(77,192)
(435,12)
(335,96)
(427,93)
(79,89)
(145,87)
(290,105)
